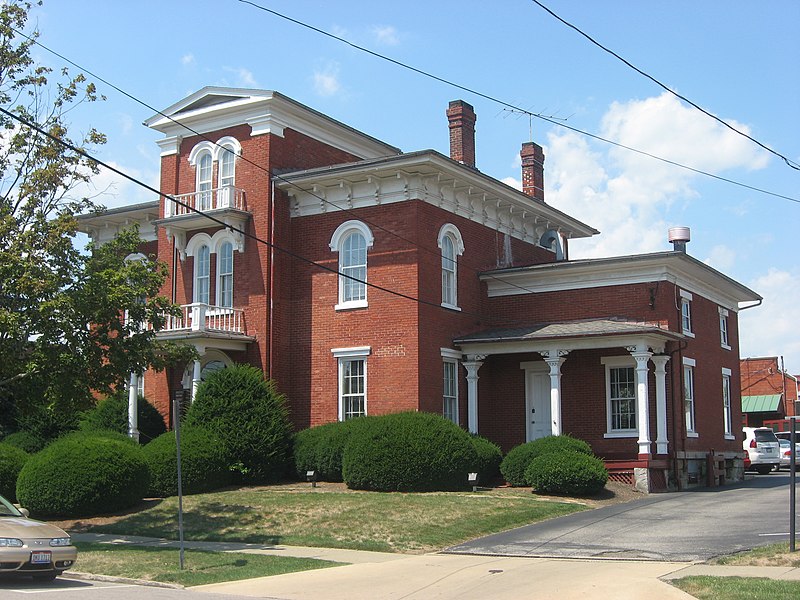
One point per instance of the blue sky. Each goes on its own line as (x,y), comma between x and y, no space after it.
(735,58)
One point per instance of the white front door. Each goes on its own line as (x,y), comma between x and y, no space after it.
(537,403)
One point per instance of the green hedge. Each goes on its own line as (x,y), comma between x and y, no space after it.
(321,449)
(250,417)
(204,464)
(12,459)
(112,414)
(24,440)
(489,458)
(83,474)
(569,473)
(517,460)
(408,452)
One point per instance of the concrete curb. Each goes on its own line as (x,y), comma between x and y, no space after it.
(112,579)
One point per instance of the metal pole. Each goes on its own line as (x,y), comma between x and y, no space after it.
(792,479)
(176,408)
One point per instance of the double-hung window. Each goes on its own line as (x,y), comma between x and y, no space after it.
(204,181)
(352,240)
(689,396)
(450,384)
(726,403)
(225,279)
(620,396)
(686,313)
(202,269)
(352,363)
(452,246)
(723,329)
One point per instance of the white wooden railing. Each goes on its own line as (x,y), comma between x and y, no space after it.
(205,317)
(222,197)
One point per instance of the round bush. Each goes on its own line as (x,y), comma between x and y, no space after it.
(321,449)
(83,474)
(24,440)
(12,459)
(112,414)
(488,461)
(517,460)
(408,452)
(569,473)
(204,465)
(250,417)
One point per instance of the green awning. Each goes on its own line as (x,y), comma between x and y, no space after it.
(762,403)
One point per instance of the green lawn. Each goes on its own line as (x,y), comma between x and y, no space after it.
(738,588)
(162,564)
(386,522)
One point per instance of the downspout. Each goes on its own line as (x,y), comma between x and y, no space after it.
(270,275)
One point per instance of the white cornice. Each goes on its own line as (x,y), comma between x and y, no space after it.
(675,267)
(212,109)
(432,178)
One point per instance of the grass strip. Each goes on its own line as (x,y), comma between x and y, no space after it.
(774,555)
(705,587)
(383,522)
(201,567)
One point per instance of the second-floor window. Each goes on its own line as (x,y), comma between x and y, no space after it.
(352,241)
(452,246)
(204,181)
(227,171)
(202,274)
(723,329)
(225,280)
(686,313)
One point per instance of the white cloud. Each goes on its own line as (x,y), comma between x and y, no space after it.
(626,195)
(244,77)
(187,59)
(112,190)
(771,329)
(513,182)
(386,35)
(721,257)
(326,80)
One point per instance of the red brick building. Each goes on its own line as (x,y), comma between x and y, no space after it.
(769,393)
(365,280)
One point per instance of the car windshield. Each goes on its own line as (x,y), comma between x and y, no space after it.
(7,509)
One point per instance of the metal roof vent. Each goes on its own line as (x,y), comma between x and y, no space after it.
(678,237)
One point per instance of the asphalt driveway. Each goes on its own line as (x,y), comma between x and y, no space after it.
(683,526)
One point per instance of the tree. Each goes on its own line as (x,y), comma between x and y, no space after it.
(71,322)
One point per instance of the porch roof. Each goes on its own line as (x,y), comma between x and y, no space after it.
(586,333)
(761,403)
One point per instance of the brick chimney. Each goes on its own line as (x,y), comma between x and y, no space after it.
(462,118)
(533,170)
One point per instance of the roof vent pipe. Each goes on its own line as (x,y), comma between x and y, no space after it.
(678,237)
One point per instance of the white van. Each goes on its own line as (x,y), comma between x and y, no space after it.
(763,448)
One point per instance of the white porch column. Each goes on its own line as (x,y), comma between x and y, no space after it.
(472,363)
(195,378)
(133,407)
(660,361)
(554,359)
(642,356)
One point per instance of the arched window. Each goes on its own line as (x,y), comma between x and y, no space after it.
(452,246)
(227,167)
(204,181)
(225,275)
(352,240)
(202,268)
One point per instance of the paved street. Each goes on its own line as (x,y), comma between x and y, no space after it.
(686,526)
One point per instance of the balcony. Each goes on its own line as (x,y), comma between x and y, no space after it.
(226,205)
(208,325)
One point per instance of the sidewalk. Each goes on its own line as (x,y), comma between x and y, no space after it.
(377,575)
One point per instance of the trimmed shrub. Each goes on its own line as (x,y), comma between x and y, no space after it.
(321,449)
(83,474)
(112,414)
(12,459)
(489,459)
(204,465)
(408,452)
(517,460)
(250,417)
(24,440)
(569,473)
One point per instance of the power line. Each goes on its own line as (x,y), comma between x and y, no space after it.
(790,163)
(509,105)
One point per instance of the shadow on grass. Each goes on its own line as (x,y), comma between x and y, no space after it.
(210,521)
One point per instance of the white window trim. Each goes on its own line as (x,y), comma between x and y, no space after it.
(690,362)
(337,239)
(686,299)
(345,354)
(207,276)
(611,362)
(727,373)
(723,314)
(455,362)
(218,290)
(451,231)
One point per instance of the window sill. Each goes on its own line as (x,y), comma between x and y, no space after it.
(725,347)
(351,305)
(728,436)
(621,434)
(687,333)
(692,434)
(451,307)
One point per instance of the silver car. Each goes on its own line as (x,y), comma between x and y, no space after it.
(29,547)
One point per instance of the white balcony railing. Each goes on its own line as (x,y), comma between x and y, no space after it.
(205,317)
(222,197)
